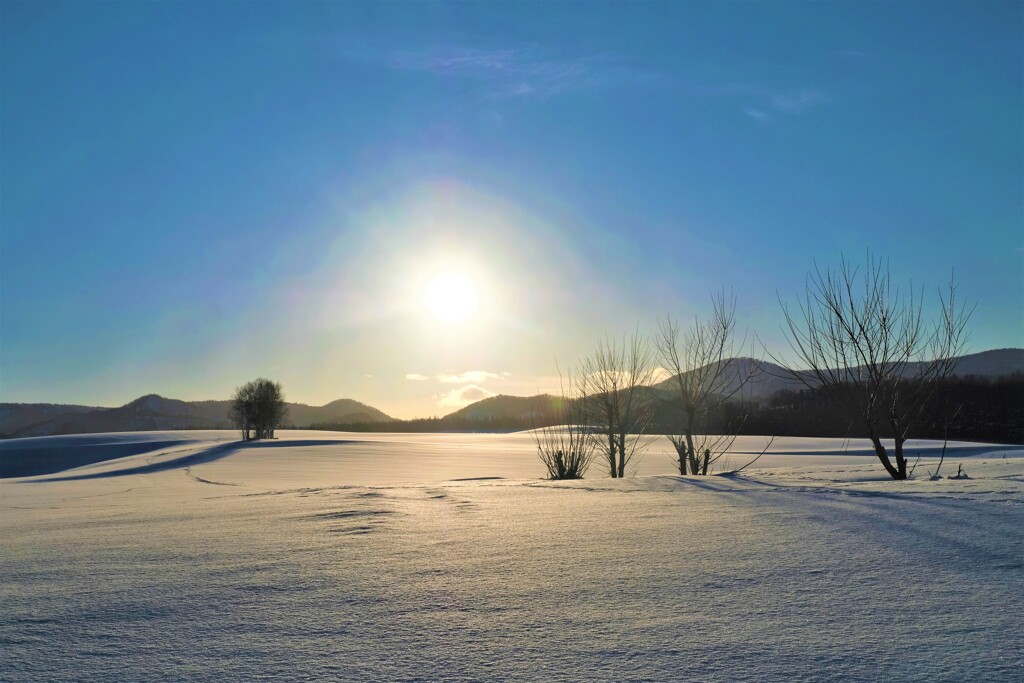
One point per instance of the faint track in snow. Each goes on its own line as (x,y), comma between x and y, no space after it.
(443,495)
(347,514)
(188,473)
(98,495)
(20,507)
(362,514)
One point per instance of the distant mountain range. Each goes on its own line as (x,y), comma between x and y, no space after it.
(154,412)
(766,379)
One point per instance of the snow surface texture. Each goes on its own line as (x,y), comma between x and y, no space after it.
(328,556)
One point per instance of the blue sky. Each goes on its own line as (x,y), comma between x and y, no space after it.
(194,194)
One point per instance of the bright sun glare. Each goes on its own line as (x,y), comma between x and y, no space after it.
(451,297)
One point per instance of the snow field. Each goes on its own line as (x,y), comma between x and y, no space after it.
(325,560)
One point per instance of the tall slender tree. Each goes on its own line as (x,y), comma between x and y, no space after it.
(615,380)
(704,375)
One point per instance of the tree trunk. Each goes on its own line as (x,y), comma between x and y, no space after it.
(691,451)
(611,454)
(883,456)
(681,454)
(901,462)
(622,456)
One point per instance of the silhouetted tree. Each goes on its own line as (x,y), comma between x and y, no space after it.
(257,408)
(866,346)
(615,381)
(564,442)
(704,376)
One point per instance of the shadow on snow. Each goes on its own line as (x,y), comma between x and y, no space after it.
(193,459)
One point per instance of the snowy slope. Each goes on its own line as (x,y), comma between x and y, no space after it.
(333,556)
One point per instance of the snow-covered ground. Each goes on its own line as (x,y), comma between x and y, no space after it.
(330,556)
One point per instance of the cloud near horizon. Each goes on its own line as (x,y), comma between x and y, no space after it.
(468,377)
(463,396)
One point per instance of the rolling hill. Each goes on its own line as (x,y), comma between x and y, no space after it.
(503,407)
(153,412)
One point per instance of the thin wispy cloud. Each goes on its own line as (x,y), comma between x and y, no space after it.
(454,62)
(786,103)
(537,73)
(853,54)
(756,114)
(521,73)
(416,377)
(798,102)
(723,89)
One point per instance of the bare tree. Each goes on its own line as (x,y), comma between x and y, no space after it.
(257,408)
(704,376)
(564,442)
(615,381)
(866,344)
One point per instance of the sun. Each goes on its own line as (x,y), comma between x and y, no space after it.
(451,297)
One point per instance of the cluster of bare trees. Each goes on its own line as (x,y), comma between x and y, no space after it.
(866,343)
(257,408)
(613,396)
